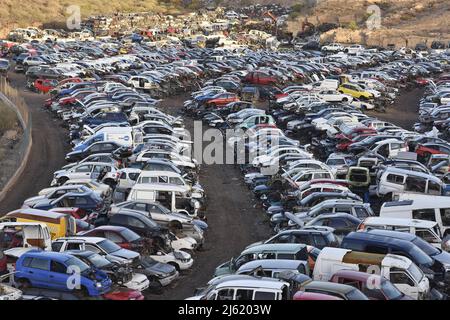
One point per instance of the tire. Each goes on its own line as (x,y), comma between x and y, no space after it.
(344,99)
(110,183)
(62,180)
(175,224)
(23,283)
(83,293)
(177,267)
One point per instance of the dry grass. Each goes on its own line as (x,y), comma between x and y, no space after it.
(8,119)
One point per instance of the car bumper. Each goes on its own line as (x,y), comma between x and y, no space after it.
(167,280)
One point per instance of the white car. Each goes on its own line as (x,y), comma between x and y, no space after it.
(87,170)
(333,47)
(334,96)
(179,259)
(101,189)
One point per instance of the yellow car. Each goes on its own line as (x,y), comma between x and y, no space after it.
(355,91)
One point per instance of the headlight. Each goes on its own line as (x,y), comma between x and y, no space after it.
(98,284)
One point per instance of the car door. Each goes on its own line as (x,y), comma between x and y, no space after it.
(58,275)
(81,172)
(136,225)
(36,270)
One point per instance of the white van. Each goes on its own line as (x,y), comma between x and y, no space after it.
(427,230)
(401,271)
(394,181)
(245,288)
(420,206)
(169,178)
(173,197)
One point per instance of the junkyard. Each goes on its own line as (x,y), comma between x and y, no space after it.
(215,155)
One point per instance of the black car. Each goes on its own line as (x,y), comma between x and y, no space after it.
(318,237)
(96,147)
(137,222)
(342,223)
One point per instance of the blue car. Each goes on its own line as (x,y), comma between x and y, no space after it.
(88,201)
(52,270)
(105,117)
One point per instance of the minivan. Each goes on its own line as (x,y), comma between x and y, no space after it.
(289,251)
(382,244)
(423,207)
(50,270)
(427,230)
(393,180)
(244,288)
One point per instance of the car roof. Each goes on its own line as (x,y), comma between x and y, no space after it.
(290,247)
(331,286)
(377,221)
(394,234)
(370,236)
(271,264)
(58,256)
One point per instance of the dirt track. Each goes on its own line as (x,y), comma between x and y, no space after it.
(234,221)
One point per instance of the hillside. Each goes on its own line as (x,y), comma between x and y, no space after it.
(25,13)
(415,20)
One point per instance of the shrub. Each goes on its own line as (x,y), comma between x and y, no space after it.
(353,26)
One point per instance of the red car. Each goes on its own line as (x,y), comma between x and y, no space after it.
(122,236)
(301,295)
(343,145)
(222,99)
(354,132)
(45,85)
(258,77)
(123,294)
(374,286)
(427,149)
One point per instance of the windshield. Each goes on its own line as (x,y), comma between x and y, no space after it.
(425,246)
(108,246)
(389,290)
(420,257)
(415,272)
(130,235)
(335,162)
(148,262)
(98,261)
(77,263)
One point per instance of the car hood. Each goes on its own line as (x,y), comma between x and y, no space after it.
(124,253)
(35,200)
(160,268)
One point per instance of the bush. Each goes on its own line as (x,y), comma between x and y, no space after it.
(353,26)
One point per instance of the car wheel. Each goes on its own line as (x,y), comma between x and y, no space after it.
(110,183)
(23,283)
(62,180)
(177,267)
(82,293)
(175,225)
